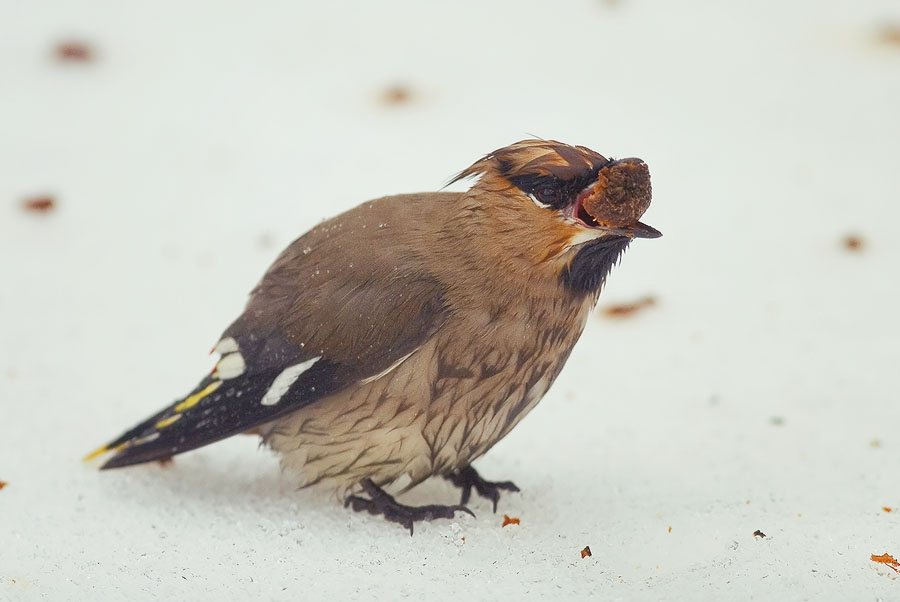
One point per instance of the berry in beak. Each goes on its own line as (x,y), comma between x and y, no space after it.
(617,199)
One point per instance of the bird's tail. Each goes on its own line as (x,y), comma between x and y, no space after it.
(131,446)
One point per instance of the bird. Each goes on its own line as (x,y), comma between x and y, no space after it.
(402,339)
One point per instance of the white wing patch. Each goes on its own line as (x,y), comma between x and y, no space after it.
(230,366)
(284,381)
(151,437)
(225,346)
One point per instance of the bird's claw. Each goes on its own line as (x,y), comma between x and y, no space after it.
(468,477)
(381,503)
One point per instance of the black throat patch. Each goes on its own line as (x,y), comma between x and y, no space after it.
(591,265)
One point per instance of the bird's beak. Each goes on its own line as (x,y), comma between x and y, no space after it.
(635,230)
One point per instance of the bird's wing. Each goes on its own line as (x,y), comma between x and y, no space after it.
(323,318)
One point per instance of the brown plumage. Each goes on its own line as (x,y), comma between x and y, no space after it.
(403,338)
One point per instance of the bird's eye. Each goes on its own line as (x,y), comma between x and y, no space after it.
(548,195)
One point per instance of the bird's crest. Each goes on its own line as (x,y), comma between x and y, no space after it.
(535,158)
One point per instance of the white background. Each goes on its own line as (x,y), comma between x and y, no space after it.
(759,393)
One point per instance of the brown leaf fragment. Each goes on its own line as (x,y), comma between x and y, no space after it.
(3,484)
(507,520)
(397,94)
(39,204)
(627,309)
(853,242)
(888,560)
(758,533)
(74,51)
(887,508)
(889,33)
(586,552)
(670,529)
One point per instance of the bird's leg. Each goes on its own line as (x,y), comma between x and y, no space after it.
(467,478)
(380,502)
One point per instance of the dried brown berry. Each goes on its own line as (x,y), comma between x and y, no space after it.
(621,194)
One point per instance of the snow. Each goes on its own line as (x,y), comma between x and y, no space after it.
(755,394)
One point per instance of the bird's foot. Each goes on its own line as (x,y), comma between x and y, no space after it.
(467,478)
(380,502)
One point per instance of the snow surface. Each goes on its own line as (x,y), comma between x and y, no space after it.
(756,394)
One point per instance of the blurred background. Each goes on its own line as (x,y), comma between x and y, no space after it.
(156,157)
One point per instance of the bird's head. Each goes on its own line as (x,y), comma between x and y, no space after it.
(577,209)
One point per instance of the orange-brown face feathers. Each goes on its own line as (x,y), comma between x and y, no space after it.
(581,208)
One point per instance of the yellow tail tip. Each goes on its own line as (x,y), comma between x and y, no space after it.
(97,452)
(106,448)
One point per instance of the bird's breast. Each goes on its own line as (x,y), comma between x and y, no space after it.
(446,404)
(485,379)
